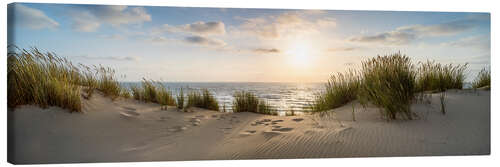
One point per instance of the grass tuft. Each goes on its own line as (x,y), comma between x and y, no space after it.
(43,79)
(436,77)
(248,102)
(154,92)
(180,99)
(389,82)
(203,99)
(340,89)
(483,79)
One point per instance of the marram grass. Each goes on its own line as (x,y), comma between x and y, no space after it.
(204,99)
(154,92)
(340,89)
(42,79)
(436,77)
(45,79)
(392,82)
(483,79)
(389,83)
(248,102)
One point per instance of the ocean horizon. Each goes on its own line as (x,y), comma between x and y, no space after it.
(283,96)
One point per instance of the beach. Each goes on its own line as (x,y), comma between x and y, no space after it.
(126,130)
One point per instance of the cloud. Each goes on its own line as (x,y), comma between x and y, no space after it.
(24,16)
(407,34)
(272,27)
(115,58)
(197,28)
(343,49)
(200,40)
(90,17)
(266,51)
(479,41)
(85,22)
(113,36)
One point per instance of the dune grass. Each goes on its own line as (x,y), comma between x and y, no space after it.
(340,89)
(436,77)
(392,83)
(154,92)
(180,99)
(482,79)
(389,82)
(248,102)
(204,99)
(43,79)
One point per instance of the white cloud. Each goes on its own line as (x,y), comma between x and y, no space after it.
(197,28)
(91,17)
(479,41)
(115,58)
(274,27)
(24,16)
(200,40)
(85,22)
(407,34)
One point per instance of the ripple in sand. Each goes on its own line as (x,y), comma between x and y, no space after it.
(298,119)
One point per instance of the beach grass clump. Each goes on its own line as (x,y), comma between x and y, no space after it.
(154,92)
(180,99)
(389,82)
(204,99)
(248,102)
(107,83)
(340,89)
(483,79)
(42,79)
(437,77)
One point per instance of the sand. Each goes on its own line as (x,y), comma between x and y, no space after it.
(127,130)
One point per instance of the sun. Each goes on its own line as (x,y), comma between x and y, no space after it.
(299,53)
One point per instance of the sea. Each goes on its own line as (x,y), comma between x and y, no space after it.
(284,97)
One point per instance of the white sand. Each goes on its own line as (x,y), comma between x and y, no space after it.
(125,130)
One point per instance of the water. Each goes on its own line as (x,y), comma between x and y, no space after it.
(282,96)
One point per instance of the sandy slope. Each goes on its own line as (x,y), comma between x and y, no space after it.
(125,130)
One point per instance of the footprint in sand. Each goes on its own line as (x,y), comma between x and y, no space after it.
(200,116)
(266,120)
(282,129)
(195,121)
(129,113)
(177,128)
(276,126)
(247,133)
(129,108)
(251,131)
(214,116)
(162,118)
(298,119)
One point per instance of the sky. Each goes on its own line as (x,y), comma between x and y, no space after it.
(181,44)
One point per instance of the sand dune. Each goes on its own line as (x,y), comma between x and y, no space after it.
(126,130)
